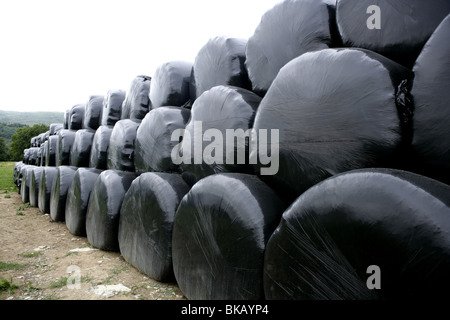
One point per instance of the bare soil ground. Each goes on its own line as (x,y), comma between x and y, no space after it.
(37,262)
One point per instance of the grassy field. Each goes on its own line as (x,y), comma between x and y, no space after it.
(7,177)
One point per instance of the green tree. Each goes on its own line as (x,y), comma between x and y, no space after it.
(3,150)
(21,140)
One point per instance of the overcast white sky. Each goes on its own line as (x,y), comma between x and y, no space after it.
(56,53)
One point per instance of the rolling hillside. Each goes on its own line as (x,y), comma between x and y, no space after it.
(31,118)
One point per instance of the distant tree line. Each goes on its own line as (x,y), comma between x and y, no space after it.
(20,139)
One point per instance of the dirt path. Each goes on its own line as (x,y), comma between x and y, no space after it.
(36,258)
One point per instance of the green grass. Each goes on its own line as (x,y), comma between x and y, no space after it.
(20,210)
(11,265)
(7,285)
(31,254)
(7,176)
(61,282)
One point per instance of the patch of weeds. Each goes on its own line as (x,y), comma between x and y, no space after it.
(61,282)
(11,266)
(31,254)
(70,253)
(20,210)
(32,288)
(7,196)
(7,285)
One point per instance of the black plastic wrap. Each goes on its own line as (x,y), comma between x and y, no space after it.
(40,139)
(221,61)
(103,212)
(26,156)
(21,177)
(16,173)
(80,152)
(55,128)
(112,107)
(33,142)
(392,219)
(35,184)
(65,142)
(344,112)
(154,145)
(60,187)
(137,101)
(45,188)
(221,108)
(77,199)
(26,173)
(93,112)
(121,145)
(44,152)
(146,223)
(171,84)
(404,26)
(99,151)
(46,135)
(286,31)
(33,156)
(39,157)
(431,92)
(66,119)
(77,116)
(50,151)
(220,232)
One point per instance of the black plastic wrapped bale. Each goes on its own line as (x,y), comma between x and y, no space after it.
(137,101)
(26,182)
(35,184)
(77,116)
(80,152)
(146,223)
(60,187)
(37,140)
(45,188)
(219,236)
(330,238)
(43,152)
(17,167)
(77,199)
(33,155)
(154,144)
(46,135)
(21,177)
(217,136)
(55,128)
(33,142)
(395,29)
(41,138)
(65,142)
(66,119)
(26,156)
(50,151)
(349,109)
(112,107)
(171,84)
(286,31)
(221,61)
(93,112)
(103,213)
(121,145)
(39,156)
(99,151)
(431,92)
